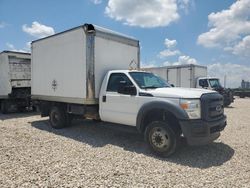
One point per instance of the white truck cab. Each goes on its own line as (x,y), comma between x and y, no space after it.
(140,87)
(87,76)
(144,100)
(208,83)
(213,83)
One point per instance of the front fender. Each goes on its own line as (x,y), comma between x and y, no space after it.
(171,107)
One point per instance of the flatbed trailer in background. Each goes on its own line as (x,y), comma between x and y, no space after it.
(242,93)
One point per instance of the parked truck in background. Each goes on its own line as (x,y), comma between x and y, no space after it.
(192,76)
(15,75)
(83,72)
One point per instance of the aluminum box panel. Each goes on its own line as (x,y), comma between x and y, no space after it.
(70,66)
(180,75)
(14,71)
(58,66)
(111,55)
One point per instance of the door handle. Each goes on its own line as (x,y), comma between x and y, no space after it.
(104,98)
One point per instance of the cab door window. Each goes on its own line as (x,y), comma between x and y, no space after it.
(116,79)
(203,83)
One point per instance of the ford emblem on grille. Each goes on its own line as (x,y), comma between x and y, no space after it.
(218,108)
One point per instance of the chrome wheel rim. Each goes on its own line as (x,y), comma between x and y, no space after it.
(159,138)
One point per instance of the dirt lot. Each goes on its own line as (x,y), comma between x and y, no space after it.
(90,154)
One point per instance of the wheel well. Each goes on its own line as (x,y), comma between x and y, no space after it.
(161,115)
(45,107)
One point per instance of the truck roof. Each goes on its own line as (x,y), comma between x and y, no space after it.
(208,77)
(14,52)
(176,66)
(126,71)
(95,28)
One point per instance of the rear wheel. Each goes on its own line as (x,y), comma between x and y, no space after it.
(161,138)
(21,109)
(4,106)
(58,117)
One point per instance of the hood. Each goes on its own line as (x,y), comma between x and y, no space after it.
(175,92)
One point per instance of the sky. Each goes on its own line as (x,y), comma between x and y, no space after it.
(212,33)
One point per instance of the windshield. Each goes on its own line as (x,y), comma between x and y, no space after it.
(146,80)
(215,83)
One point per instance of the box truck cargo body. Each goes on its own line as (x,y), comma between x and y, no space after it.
(70,66)
(84,73)
(180,75)
(15,79)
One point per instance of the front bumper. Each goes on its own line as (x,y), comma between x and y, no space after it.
(200,132)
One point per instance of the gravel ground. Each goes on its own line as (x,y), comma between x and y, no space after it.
(91,154)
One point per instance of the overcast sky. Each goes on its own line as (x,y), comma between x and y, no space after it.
(214,33)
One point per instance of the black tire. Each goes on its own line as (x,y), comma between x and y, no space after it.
(4,107)
(58,118)
(21,109)
(227,103)
(161,138)
(35,109)
(242,96)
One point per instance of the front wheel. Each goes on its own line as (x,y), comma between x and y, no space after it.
(161,138)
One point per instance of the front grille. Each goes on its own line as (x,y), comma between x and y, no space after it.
(212,106)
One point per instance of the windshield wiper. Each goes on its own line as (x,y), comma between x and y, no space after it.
(163,86)
(150,87)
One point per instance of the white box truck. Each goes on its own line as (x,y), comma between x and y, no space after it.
(83,72)
(15,75)
(192,76)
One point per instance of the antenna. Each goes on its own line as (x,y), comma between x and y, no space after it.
(225,81)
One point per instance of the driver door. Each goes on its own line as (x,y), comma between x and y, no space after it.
(116,107)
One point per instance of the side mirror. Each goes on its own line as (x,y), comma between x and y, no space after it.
(125,89)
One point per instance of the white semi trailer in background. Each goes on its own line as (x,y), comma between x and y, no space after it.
(15,81)
(192,76)
(84,72)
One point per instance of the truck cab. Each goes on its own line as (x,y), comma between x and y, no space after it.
(161,112)
(213,83)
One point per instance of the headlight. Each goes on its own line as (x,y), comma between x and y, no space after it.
(192,107)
